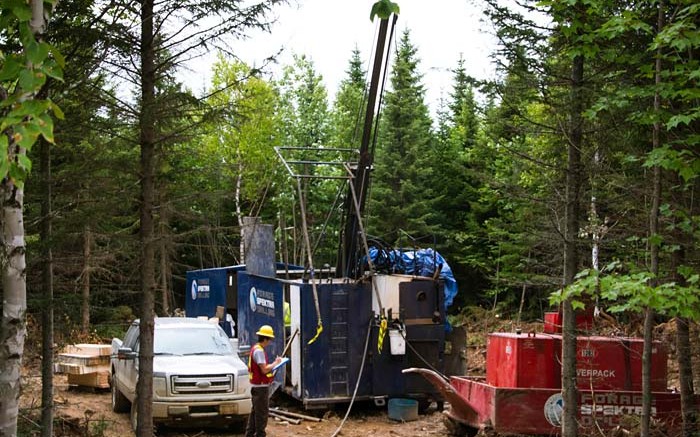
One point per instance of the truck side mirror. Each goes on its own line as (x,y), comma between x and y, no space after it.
(125,353)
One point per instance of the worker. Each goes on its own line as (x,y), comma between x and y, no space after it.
(287,320)
(287,315)
(260,375)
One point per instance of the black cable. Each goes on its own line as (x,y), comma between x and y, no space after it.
(357,384)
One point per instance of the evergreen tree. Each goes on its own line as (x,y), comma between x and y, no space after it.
(462,211)
(349,106)
(463,108)
(402,202)
(306,101)
(305,124)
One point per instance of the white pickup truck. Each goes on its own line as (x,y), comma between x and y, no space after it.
(197,374)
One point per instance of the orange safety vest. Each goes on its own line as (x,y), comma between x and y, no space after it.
(255,374)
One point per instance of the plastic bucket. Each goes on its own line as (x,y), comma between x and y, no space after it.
(396,342)
(403,410)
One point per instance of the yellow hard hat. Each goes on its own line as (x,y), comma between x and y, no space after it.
(266,331)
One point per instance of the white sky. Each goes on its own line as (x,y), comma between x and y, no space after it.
(326,31)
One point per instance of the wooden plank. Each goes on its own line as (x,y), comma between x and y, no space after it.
(88,349)
(77,369)
(83,360)
(96,379)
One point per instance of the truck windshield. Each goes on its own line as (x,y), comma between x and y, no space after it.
(191,341)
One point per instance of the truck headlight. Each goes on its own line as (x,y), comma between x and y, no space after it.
(160,386)
(242,384)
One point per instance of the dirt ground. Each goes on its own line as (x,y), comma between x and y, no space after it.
(88,412)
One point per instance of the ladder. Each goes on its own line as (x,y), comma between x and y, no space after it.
(340,365)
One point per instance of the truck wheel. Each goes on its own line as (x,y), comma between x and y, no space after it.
(120,404)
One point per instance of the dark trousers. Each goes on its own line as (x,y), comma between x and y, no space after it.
(257,420)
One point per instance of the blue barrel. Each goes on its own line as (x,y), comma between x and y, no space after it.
(403,410)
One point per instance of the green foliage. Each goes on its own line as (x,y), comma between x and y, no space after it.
(304,101)
(23,117)
(632,292)
(305,122)
(485,183)
(402,201)
(347,114)
(245,140)
(678,88)
(98,427)
(383,9)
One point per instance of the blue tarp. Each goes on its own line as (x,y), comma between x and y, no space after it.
(422,262)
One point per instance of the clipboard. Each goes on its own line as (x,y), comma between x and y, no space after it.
(284,361)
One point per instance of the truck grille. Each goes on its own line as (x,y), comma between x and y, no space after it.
(202,384)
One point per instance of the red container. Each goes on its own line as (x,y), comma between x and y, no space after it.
(523,360)
(659,365)
(538,411)
(553,322)
(604,363)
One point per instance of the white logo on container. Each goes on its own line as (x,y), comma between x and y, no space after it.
(253,299)
(553,409)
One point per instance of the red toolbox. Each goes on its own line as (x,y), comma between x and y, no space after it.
(523,360)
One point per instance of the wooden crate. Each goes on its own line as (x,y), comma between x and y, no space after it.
(85,364)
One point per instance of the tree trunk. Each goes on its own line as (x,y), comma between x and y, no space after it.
(165,272)
(646,372)
(683,356)
(239,214)
(654,245)
(14,308)
(13,327)
(164,275)
(87,269)
(685,373)
(47,310)
(573,188)
(144,391)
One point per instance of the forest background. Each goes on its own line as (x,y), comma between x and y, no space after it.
(572,175)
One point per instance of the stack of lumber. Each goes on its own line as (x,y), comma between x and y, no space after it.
(85,364)
(291,417)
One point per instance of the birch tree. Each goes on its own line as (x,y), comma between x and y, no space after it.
(24,118)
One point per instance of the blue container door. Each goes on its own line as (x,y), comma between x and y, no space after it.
(331,364)
(260,302)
